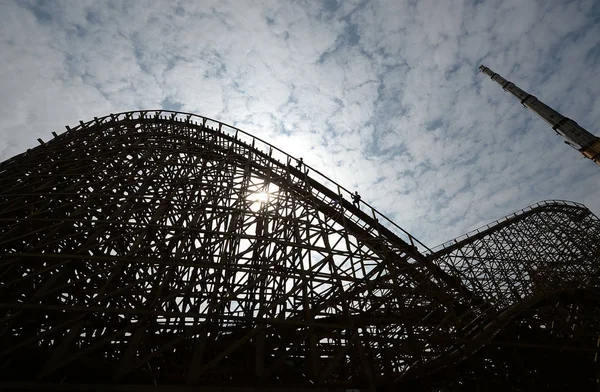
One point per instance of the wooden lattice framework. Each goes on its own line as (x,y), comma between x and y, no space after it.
(158,248)
(539,268)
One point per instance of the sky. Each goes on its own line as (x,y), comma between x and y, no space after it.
(384,97)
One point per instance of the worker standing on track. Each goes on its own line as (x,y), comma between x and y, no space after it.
(356,199)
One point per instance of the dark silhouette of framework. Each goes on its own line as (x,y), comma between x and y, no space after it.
(164,249)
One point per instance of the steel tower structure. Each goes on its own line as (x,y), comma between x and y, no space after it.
(153,249)
(574,135)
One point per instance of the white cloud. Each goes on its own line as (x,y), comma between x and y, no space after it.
(382,96)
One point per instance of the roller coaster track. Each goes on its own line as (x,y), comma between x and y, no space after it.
(131,246)
(490,228)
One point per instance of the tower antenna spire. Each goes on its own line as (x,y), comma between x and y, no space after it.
(574,135)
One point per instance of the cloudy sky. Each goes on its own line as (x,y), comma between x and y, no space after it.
(383,96)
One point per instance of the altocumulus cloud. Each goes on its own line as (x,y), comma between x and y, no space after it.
(385,97)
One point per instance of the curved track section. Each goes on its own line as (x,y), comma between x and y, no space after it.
(550,245)
(538,271)
(162,248)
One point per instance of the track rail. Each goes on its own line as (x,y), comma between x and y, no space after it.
(257,143)
(480,232)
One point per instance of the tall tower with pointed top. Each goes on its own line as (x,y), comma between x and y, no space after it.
(575,135)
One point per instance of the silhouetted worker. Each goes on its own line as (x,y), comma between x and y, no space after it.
(299,165)
(356,199)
